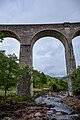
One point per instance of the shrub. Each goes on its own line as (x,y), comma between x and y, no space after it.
(75,76)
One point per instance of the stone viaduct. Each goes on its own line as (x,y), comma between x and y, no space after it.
(27,35)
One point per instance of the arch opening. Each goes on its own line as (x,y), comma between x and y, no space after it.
(10,46)
(76,34)
(11,34)
(49,57)
(76,48)
(49,33)
(11,42)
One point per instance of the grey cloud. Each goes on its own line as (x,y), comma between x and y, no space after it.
(47,58)
(50,65)
(38,11)
(10,45)
(48,46)
(76,47)
(57,51)
(51,70)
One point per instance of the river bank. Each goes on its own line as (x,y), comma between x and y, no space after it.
(47,107)
(35,112)
(73,101)
(32,112)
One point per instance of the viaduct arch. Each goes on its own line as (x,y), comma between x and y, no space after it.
(27,35)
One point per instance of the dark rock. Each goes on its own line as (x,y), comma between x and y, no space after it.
(54,119)
(7,118)
(37,118)
(38,114)
(45,118)
(49,106)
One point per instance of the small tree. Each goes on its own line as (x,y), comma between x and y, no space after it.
(75,76)
(43,79)
(1,36)
(9,71)
(36,79)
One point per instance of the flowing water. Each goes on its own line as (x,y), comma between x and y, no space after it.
(58,111)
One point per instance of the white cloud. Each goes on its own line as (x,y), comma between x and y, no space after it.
(76,47)
(10,45)
(49,57)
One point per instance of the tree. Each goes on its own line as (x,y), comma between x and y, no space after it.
(36,79)
(75,76)
(1,36)
(43,79)
(9,72)
(58,84)
(39,79)
(13,57)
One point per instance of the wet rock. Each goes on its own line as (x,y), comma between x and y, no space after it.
(38,114)
(58,113)
(6,118)
(40,111)
(54,119)
(45,118)
(30,116)
(50,112)
(50,106)
(18,113)
(75,117)
(37,118)
(74,102)
(77,107)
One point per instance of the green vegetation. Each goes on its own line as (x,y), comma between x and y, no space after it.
(1,36)
(75,76)
(40,80)
(12,99)
(9,74)
(58,84)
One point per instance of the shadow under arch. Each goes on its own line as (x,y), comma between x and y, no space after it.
(49,33)
(14,42)
(8,33)
(76,34)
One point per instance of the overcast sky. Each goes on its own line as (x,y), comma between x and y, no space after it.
(48,53)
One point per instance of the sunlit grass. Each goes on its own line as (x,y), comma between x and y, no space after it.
(37,90)
(10,91)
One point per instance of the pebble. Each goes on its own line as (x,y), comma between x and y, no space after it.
(6,118)
(38,114)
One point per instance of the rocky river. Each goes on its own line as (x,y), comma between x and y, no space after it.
(58,110)
(48,107)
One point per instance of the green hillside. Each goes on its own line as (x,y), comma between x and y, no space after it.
(41,80)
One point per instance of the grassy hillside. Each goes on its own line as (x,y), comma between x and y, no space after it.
(41,80)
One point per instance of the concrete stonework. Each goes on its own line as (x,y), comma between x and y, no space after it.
(27,35)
